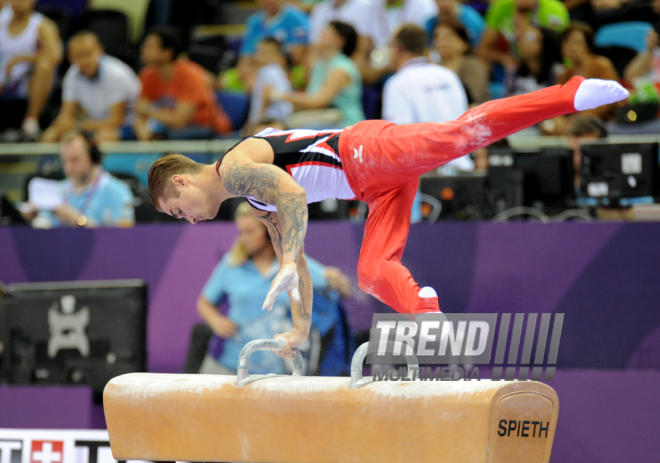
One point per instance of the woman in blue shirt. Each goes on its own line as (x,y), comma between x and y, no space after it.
(243,279)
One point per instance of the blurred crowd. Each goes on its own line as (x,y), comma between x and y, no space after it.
(300,64)
(317,64)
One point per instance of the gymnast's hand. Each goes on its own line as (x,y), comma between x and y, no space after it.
(293,339)
(285,280)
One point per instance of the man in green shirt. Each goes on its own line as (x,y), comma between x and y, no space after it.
(506,18)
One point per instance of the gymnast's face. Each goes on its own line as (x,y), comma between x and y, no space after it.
(192,204)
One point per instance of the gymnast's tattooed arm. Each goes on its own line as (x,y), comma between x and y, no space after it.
(301,312)
(271,185)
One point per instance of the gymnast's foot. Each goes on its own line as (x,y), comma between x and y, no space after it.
(427,292)
(593,93)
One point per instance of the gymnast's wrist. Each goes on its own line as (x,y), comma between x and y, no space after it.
(302,331)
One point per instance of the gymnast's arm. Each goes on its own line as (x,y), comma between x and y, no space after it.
(246,174)
(301,312)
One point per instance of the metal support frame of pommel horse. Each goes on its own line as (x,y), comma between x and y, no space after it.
(298,419)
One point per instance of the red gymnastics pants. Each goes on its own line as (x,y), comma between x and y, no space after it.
(383,161)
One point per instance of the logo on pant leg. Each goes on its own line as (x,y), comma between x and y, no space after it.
(357,153)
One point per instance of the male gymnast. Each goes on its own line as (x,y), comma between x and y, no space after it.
(280,172)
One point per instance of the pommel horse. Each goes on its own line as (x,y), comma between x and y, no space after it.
(298,419)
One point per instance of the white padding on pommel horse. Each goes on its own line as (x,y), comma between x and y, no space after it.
(318,420)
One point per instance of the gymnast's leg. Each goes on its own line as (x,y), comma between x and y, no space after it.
(391,155)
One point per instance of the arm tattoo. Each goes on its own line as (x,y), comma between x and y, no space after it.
(273,230)
(294,208)
(302,288)
(253,180)
(263,183)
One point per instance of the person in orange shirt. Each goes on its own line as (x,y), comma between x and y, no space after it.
(177,100)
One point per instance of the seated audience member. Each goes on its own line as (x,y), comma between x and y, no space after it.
(335,81)
(177,99)
(646,65)
(286,23)
(420,91)
(271,73)
(370,33)
(388,15)
(577,45)
(540,58)
(243,278)
(452,44)
(454,10)
(91,197)
(30,51)
(505,17)
(99,93)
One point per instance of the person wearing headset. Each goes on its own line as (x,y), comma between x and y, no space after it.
(88,196)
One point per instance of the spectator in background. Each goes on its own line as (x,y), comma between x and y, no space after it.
(177,99)
(285,23)
(454,10)
(506,18)
(373,59)
(646,65)
(243,277)
(540,58)
(30,51)
(99,93)
(451,42)
(271,73)
(577,45)
(420,91)
(91,196)
(370,33)
(335,81)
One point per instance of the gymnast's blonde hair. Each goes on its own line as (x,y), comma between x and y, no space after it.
(238,254)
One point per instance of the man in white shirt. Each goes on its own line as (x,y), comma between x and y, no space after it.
(99,93)
(422,91)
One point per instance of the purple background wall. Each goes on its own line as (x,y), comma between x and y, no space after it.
(603,276)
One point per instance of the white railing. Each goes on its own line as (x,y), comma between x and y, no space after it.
(126,147)
(219,146)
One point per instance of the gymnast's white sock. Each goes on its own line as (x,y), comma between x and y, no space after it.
(593,93)
(427,291)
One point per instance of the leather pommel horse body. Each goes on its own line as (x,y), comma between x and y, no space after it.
(295,419)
